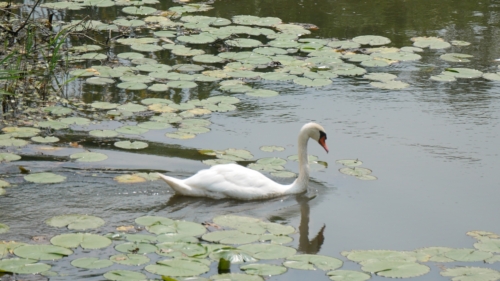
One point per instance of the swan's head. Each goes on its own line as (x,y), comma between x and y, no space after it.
(316,132)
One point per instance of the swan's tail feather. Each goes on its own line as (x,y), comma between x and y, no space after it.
(177,185)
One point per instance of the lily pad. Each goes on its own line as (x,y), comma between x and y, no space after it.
(58,110)
(347,275)
(88,156)
(45,139)
(395,269)
(136,248)
(21,132)
(372,40)
(104,105)
(178,267)
(467,255)
(7,157)
(261,93)
(312,82)
(350,162)
(268,251)
(23,266)
(84,240)
(129,259)
(310,262)
(236,277)
(230,237)
(75,221)
(124,275)
(459,72)
(471,274)
(42,252)
(91,263)
(455,57)
(131,130)
(142,10)
(12,142)
(181,249)
(44,178)
(75,120)
(131,145)
(263,269)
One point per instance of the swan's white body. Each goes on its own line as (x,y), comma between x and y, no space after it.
(238,182)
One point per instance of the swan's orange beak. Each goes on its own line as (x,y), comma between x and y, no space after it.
(323,143)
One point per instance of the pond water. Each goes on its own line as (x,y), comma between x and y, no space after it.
(433,146)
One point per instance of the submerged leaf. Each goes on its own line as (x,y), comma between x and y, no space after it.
(44,178)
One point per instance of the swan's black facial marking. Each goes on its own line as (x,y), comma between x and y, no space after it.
(322,134)
(322,139)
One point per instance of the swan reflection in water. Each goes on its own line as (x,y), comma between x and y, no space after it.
(279,210)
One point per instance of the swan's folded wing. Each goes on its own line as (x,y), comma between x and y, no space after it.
(234,181)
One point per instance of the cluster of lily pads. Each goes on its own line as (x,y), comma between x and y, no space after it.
(183,250)
(352,169)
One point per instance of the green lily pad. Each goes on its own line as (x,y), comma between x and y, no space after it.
(45,139)
(158,88)
(124,275)
(310,262)
(84,240)
(56,125)
(44,178)
(132,107)
(347,275)
(21,132)
(372,40)
(430,42)
(243,43)
(443,78)
(492,76)
(236,277)
(142,10)
(178,267)
(254,20)
(75,221)
(12,142)
(261,93)
(182,84)
(104,105)
(129,23)
(312,82)
(42,252)
(467,255)
(91,263)
(489,245)
(459,43)
(230,237)
(380,76)
(379,255)
(58,110)
(22,266)
(103,133)
(268,251)
(181,249)
(455,57)
(459,72)
(136,248)
(88,156)
(471,274)
(176,237)
(7,157)
(133,86)
(131,130)
(435,254)
(99,81)
(131,145)
(75,120)
(181,227)
(129,259)
(395,269)
(263,269)
(202,38)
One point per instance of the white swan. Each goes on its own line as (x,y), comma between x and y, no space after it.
(238,182)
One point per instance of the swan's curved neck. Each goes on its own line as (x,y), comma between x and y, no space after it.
(301,183)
